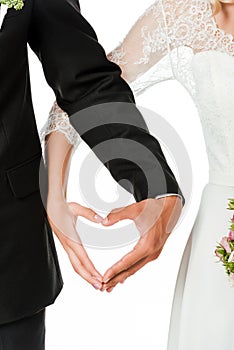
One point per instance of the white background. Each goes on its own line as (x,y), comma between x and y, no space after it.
(136,314)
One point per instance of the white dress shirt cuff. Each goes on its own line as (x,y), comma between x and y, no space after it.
(168,195)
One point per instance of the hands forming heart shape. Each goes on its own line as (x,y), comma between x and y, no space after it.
(154,218)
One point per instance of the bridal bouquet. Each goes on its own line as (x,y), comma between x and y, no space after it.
(225,249)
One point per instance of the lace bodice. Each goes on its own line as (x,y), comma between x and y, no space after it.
(181,40)
(214,79)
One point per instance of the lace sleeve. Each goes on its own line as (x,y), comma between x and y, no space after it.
(145,54)
(145,45)
(58,120)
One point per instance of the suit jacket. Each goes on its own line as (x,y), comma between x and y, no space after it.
(85,84)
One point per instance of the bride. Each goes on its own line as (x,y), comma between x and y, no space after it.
(191,41)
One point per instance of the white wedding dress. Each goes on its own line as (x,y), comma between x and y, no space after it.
(181,40)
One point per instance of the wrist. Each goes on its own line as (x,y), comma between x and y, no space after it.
(56,196)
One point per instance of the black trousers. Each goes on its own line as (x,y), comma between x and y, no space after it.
(24,334)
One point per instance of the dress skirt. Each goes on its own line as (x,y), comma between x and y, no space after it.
(203,307)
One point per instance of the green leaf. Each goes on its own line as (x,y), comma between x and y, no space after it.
(231,204)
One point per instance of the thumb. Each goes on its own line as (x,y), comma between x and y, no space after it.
(87,213)
(119,214)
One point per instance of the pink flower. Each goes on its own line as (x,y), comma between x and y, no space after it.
(225,244)
(219,255)
(231,278)
(232,218)
(231,234)
(231,257)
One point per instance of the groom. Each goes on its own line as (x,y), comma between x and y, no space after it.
(78,71)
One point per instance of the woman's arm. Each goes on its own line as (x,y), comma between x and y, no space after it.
(58,121)
(58,153)
(145,44)
(62,216)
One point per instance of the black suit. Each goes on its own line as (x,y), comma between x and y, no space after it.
(76,68)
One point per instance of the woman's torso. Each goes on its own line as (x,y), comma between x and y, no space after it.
(201,57)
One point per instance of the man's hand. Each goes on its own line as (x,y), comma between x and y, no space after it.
(62,217)
(155,219)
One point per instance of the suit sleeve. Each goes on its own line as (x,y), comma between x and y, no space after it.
(99,103)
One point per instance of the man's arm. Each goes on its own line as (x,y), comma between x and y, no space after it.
(99,102)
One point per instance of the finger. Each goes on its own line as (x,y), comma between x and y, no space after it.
(85,260)
(116,215)
(131,258)
(125,274)
(72,242)
(82,270)
(80,210)
(131,271)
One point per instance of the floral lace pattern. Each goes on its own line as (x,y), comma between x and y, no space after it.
(145,44)
(117,56)
(189,28)
(214,77)
(59,121)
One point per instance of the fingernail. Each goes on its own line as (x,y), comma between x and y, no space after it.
(98,218)
(98,278)
(109,290)
(97,285)
(105,221)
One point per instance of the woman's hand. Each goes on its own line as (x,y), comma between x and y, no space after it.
(62,217)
